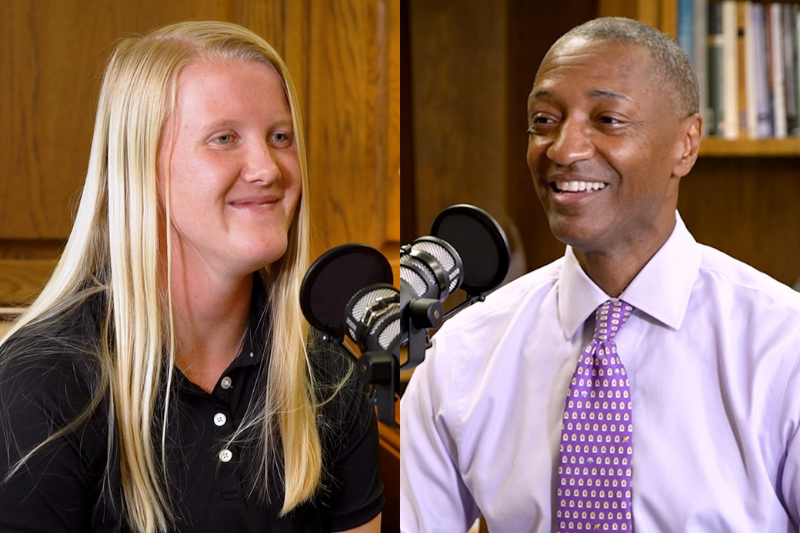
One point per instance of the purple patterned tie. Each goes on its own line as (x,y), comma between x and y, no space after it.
(594,475)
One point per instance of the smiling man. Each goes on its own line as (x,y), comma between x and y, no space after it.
(642,382)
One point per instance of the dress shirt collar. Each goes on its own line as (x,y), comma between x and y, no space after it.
(660,290)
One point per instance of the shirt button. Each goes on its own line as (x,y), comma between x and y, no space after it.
(226,383)
(225,455)
(220,419)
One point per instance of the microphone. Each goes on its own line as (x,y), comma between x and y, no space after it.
(430,268)
(348,291)
(467,249)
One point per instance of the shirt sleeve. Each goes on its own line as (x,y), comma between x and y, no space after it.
(433,497)
(57,488)
(352,482)
(789,433)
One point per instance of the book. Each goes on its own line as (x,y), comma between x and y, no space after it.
(742,13)
(749,74)
(796,17)
(730,70)
(789,62)
(761,72)
(716,85)
(776,68)
(701,55)
(686,27)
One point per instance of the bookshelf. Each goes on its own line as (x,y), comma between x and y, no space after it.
(718,147)
(663,14)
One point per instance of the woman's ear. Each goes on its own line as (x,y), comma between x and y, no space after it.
(689,145)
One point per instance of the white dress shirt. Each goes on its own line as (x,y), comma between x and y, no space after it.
(711,351)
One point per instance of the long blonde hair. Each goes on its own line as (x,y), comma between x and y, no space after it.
(114,248)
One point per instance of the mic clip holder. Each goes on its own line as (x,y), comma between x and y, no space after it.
(377,366)
(381,371)
(425,314)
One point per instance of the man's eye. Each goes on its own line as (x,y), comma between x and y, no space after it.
(540,123)
(225,139)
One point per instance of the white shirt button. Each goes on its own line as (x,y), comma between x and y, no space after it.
(220,419)
(225,455)
(226,383)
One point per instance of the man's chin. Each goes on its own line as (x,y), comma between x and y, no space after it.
(573,231)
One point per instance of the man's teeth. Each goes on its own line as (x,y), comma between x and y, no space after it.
(578,186)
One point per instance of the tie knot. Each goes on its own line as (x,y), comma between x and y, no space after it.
(610,316)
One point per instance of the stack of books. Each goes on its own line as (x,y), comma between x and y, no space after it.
(746,57)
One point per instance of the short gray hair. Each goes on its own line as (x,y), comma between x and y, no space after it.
(670,61)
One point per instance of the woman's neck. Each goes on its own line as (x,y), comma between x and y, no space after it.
(210,321)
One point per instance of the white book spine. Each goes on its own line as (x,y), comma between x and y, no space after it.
(776,68)
(730,69)
(796,15)
(750,72)
(763,104)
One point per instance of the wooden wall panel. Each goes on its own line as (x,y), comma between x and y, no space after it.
(458,90)
(343,54)
(472,66)
(748,208)
(526,49)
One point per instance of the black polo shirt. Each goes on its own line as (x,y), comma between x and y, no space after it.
(49,380)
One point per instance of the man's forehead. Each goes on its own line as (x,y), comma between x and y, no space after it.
(610,94)
(607,61)
(578,50)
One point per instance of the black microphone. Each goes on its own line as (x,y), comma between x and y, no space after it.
(430,268)
(467,249)
(348,291)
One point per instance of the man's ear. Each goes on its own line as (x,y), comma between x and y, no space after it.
(691,131)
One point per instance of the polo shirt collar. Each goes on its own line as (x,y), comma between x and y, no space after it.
(660,290)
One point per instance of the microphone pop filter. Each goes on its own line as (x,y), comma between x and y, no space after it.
(332,281)
(481,243)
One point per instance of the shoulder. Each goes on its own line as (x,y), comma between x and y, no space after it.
(730,278)
(51,367)
(342,399)
(328,358)
(49,380)
(504,309)
(464,353)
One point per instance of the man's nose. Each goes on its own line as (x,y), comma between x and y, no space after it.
(572,141)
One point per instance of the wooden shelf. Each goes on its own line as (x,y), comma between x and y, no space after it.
(715,147)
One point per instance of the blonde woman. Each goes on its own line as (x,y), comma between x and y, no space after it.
(165,379)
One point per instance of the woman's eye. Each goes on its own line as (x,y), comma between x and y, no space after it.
(225,139)
(281,138)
